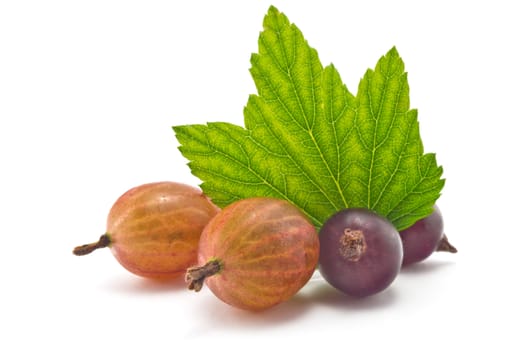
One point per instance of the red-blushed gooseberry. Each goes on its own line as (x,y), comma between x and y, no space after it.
(153,230)
(256,253)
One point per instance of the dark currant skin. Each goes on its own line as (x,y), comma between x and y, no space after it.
(425,237)
(360,252)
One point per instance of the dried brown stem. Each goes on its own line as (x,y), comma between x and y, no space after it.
(195,276)
(103,242)
(445,246)
(352,244)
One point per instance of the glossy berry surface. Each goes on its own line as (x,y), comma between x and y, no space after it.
(153,230)
(361,252)
(423,238)
(260,252)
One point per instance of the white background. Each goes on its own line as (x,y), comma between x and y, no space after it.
(89,91)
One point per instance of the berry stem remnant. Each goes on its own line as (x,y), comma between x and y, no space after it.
(85,249)
(445,246)
(196,275)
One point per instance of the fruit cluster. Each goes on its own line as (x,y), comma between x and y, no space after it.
(258,252)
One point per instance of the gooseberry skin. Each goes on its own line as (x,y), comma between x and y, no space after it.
(266,248)
(153,230)
(361,252)
(423,238)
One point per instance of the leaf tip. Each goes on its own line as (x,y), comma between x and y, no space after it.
(273,10)
(275,19)
(391,63)
(393,51)
(177,130)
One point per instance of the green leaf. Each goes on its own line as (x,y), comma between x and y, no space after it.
(307,139)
